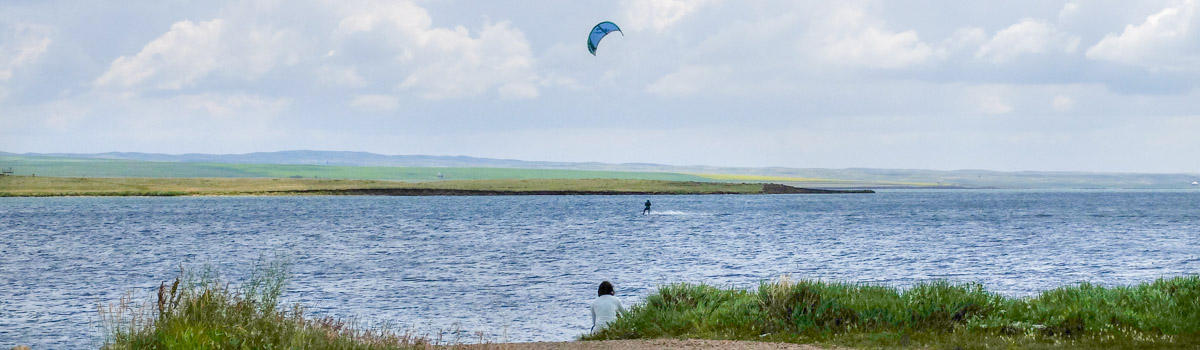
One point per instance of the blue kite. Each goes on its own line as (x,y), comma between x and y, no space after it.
(598,32)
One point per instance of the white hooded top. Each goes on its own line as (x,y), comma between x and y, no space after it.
(604,311)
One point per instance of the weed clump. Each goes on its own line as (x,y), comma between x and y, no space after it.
(201,312)
(1163,313)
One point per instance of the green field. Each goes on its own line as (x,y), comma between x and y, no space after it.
(368,166)
(42,186)
(67,167)
(50,176)
(809,182)
(114,168)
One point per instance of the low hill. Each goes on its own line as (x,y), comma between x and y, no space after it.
(371,166)
(48,186)
(103,167)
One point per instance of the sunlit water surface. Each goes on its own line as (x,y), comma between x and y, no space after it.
(524,268)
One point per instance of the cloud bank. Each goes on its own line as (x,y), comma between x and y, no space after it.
(1025,85)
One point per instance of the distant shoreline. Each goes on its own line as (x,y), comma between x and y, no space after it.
(30,186)
(450,192)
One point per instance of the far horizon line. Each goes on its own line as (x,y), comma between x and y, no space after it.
(782,167)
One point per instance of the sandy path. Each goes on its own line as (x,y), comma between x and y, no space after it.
(654,344)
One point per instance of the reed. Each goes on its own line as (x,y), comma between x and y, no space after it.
(201,312)
(1161,314)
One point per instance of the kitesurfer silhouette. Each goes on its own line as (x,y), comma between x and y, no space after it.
(647,210)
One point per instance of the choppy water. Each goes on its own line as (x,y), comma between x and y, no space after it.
(525,268)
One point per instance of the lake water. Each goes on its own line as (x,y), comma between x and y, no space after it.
(524,268)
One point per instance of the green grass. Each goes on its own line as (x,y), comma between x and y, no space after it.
(1161,314)
(41,186)
(598,185)
(68,167)
(202,312)
(79,186)
(113,168)
(819,182)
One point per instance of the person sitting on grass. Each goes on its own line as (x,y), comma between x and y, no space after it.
(605,308)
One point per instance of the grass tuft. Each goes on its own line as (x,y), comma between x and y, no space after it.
(1161,314)
(201,312)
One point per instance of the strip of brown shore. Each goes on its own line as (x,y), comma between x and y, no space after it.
(29,186)
(766,189)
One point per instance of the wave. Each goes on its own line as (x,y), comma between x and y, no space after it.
(671,212)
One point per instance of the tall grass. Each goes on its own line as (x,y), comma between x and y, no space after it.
(1164,313)
(202,312)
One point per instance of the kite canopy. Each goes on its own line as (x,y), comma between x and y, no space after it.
(598,32)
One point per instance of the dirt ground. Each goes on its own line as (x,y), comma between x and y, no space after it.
(654,344)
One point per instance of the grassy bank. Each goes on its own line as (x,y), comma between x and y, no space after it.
(1161,314)
(41,186)
(202,312)
(117,168)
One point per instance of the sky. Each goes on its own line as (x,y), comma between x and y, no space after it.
(1021,85)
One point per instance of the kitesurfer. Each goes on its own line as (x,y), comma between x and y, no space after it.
(606,307)
(647,210)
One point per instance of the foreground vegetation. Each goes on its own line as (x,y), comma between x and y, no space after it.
(201,312)
(42,186)
(1162,314)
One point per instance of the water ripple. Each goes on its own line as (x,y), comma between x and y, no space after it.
(525,268)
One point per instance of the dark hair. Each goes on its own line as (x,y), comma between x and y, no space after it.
(605,288)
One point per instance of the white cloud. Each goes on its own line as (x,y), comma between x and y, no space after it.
(995,105)
(1029,36)
(689,80)
(340,76)
(221,120)
(718,80)
(990,99)
(1167,40)
(191,51)
(375,103)
(1062,103)
(518,90)
(237,106)
(177,58)
(1069,9)
(962,39)
(658,14)
(852,38)
(59,117)
(239,77)
(403,16)
(467,66)
(447,62)
(20,45)
(366,43)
